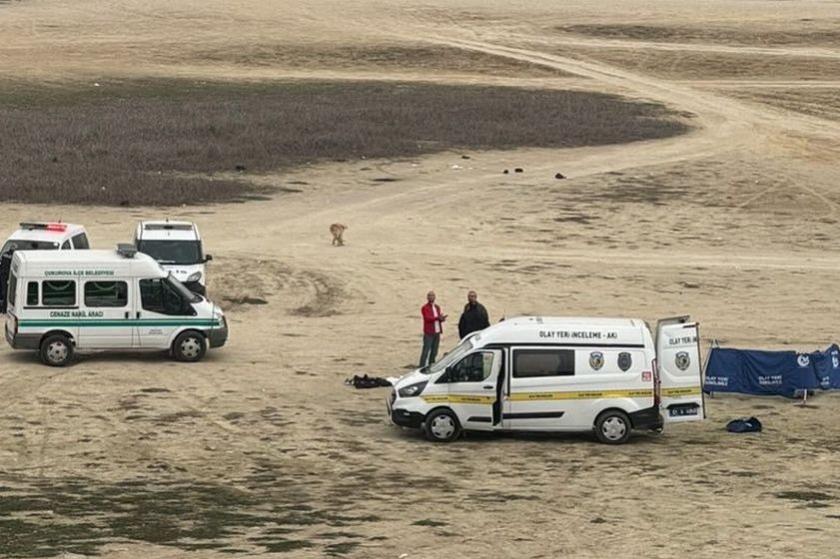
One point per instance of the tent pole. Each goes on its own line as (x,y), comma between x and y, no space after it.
(712,344)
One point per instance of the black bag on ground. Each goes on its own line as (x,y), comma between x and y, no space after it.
(367,382)
(744,425)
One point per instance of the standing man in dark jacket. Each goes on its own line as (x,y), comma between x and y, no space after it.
(474,317)
(432,329)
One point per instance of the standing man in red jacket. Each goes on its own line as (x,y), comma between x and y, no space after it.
(433,320)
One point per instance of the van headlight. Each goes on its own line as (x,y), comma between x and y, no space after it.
(412,389)
(196,276)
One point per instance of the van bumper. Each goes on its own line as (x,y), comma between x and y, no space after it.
(405,418)
(648,418)
(217,337)
(23,341)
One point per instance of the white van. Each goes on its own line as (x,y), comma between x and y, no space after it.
(47,236)
(557,374)
(64,301)
(39,236)
(176,245)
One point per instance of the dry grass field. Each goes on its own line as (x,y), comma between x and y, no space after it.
(700,143)
(804,32)
(163,143)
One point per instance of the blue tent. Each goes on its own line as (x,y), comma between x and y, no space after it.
(827,367)
(771,373)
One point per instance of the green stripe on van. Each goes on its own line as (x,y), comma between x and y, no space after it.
(114,323)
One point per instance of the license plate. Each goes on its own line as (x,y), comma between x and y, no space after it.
(682,412)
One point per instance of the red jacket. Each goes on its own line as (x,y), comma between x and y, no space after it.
(431,324)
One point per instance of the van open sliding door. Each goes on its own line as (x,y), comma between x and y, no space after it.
(680,370)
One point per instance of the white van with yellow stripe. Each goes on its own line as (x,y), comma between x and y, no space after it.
(557,374)
(63,301)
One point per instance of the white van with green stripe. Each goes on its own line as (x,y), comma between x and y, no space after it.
(60,302)
(533,373)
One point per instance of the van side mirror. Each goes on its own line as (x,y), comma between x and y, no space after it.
(208,257)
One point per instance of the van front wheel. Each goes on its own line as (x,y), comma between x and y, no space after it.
(189,347)
(613,427)
(56,350)
(442,426)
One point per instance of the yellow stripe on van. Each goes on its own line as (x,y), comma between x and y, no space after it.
(459,399)
(583,395)
(685,391)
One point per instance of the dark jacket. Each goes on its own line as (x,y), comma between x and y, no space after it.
(474,318)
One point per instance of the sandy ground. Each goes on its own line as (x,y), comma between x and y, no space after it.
(734,224)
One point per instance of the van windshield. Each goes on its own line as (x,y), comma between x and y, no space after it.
(172,252)
(182,290)
(16,244)
(460,350)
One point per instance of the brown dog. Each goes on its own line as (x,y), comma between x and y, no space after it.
(337,230)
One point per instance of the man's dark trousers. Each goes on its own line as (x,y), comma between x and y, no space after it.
(430,349)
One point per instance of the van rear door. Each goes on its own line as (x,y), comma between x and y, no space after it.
(680,370)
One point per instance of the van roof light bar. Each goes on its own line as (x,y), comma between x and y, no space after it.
(126,250)
(31,226)
(167,227)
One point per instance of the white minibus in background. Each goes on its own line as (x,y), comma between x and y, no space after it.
(176,245)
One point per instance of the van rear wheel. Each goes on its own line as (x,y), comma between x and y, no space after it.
(613,427)
(189,347)
(441,426)
(56,350)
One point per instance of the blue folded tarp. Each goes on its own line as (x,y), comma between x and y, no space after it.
(771,373)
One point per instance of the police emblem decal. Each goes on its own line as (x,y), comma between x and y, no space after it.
(625,361)
(803,360)
(596,360)
(683,360)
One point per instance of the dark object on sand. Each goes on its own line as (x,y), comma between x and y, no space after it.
(465,157)
(505,171)
(744,425)
(367,382)
(240,168)
(518,170)
(559,176)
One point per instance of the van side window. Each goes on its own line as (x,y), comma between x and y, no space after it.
(32,294)
(157,296)
(59,294)
(66,245)
(473,368)
(106,294)
(528,363)
(80,241)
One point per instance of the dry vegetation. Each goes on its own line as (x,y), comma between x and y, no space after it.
(695,65)
(136,143)
(787,34)
(386,58)
(819,102)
